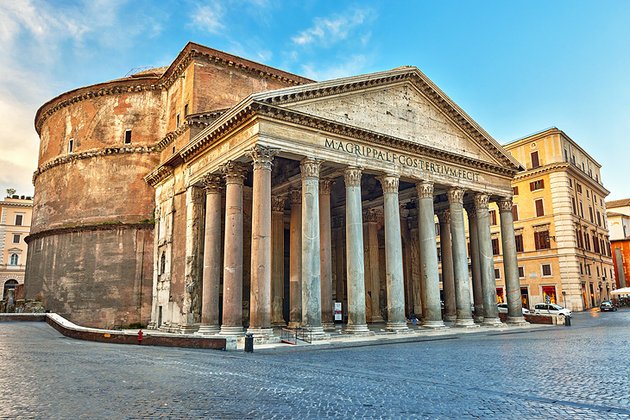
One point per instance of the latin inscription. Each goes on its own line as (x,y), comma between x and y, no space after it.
(402,159)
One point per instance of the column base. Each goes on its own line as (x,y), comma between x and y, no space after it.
(208,330)
(466,323)
(450,318)
(294,324)
(261,333)
(433,324)
(328,326)
(397,327)
(278,324)
(377,319)
(152,325)
(317,333)
(228,330)
(188,328)
(358,329)
(517,321)
(492,322)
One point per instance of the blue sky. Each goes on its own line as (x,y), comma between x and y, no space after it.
(515,66)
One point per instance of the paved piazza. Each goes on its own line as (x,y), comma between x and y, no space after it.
(576,372)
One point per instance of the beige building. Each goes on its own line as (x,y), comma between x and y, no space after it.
(562,235)
(618,212)
(15,222)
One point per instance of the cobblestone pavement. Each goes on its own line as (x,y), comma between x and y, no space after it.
(564,372)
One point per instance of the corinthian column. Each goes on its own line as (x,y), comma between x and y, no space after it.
(192,275)
(295,260)
(260,286)
(486,261)
(510,264)
(277,259)
(354,253)
(233,250)
(460,259)
(475,263)
(311,270)
(371,266)
(325,235)
(448,279)
(396,320)
(429,276)
(213,185)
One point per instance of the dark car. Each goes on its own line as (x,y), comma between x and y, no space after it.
(607,306)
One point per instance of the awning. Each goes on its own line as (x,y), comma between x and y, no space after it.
(622,291)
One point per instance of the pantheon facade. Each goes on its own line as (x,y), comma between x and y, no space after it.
(263,198)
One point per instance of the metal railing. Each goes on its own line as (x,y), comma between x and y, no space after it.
(292,335)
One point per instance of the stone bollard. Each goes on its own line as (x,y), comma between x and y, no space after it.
(249,343)
(10,298)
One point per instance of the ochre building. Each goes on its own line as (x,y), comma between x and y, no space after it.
(219,195)
(15,220)
(618,212)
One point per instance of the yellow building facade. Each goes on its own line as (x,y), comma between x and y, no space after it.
(560,224)
(15,222)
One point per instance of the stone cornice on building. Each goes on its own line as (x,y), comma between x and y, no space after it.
(89,228)
(15,204)
(158,175)
(108,151)
(232,121)
(562,166)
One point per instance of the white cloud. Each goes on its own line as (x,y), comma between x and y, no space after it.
(327,31)
(352,66)
(209,17)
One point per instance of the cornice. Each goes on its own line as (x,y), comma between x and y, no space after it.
(13,204)
(158,175)
(90,154)
(563,166)
(89,228)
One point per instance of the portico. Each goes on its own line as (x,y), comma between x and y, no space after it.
(302,166)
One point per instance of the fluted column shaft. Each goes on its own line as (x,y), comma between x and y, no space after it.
(295,260)
(460,258)
(475,263)
(311,269)
(233,250)
(213,185)
(354,252)
(325,236)
(277,260)
(510,263)
(486,261)
(429,275)
(396,319)
(448,279)
(340,273)
(372,273)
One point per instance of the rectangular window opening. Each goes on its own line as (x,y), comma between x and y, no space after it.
(127,136)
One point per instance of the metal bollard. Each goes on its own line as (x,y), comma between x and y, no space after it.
(567,321)
(249,343)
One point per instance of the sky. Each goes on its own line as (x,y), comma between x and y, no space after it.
(516,67)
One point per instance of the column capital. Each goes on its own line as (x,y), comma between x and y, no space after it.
(262,156)
(352,176)
(296,196)
(481,201)
(212,183)
(455,195)
(390,182)
(277,203)
(325,184)
(309,168)
(444,216)
(505,204)
(234,172)
(425,189)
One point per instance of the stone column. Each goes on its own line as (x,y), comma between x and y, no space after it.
(325,236)
(460,258)
(295,260)
(233,250)
(195,198)
(414,262)
(354,253)
(372,274)
(396,319)
(475,263)
(277,259)
(510,264)
(311,269)
(213,185)
(448,278)
(486,261)
(429,276)
(260,286)
(340,272)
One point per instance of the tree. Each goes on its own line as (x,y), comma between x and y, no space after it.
(10,192)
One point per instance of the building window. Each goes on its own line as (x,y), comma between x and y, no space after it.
(497,273)
(549,294)
(127,136)
(500,296)
(588,269)
(514,213)
(573,205)
(566,155)
(16,239)
(570,183)
(495,246)
(515,190)
(578,236)
(590,213)
(163,263)
(579,187)
(13,259)
(546,270)
(581,268)
(19,219)
(437,229)
(587,241)
(541,240)
(537,185)
(518,239)
(521,273)
(581,210)
(599,219)
(540,208)
(535,160)
(493,217)
(70,145)
(177,121)
(186,110)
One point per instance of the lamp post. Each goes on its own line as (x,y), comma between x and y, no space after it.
(564,298)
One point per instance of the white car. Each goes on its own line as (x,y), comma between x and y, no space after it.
(550,309)
(503,308)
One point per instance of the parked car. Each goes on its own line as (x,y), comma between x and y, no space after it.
(503,308)
(607,306)
(550,309)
